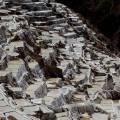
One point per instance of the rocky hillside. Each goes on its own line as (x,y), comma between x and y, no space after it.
(102,14)
(53,66)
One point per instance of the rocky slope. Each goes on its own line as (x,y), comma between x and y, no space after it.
(101,14)
(53,66)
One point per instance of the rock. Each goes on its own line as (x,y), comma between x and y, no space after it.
(45,113)
(37,71)
(24,74)
(29,37)
(57,98)
(2,4)
(109,83)
(69,72)
(67,92)
(3,59)
(24,80)
(3,37)
(38,90)
(75,112)
(20,71)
